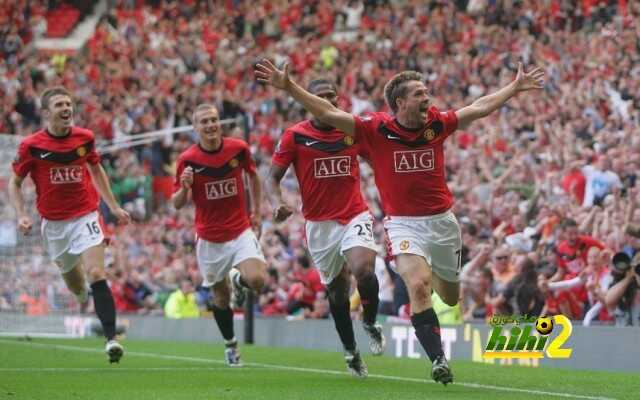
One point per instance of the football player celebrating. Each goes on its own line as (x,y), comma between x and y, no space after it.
(406,152)
(62,162)
(211,173)
(339,225)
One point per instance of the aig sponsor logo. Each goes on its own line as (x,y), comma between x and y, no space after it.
(221,189)
(332,166)
(414,161)
(67,174)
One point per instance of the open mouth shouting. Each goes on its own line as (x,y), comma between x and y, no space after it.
(65,117)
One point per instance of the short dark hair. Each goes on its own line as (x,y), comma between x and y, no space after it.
(304,261)
(200,107)
(319,82)
(569,223)
(397,87)
(50,92)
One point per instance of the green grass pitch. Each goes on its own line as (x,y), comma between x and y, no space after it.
(77,369)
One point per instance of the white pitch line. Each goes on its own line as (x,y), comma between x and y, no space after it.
(114,369)
(314,370)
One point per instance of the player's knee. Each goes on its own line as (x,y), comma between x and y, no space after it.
(96,274)
(221,295)
(256,281)
(419,288)
(221,299)
(363,270)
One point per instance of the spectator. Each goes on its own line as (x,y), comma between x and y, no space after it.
(622,296)
(182,303)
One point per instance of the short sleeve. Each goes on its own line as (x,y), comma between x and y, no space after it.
(365,132)
(23,163)
(180,165)
(93,157)
(449,120)
(249,164)
(285,152)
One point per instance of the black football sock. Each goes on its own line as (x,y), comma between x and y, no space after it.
(342,319)
(368,288)
(105,307)
(427,330)
(224,319)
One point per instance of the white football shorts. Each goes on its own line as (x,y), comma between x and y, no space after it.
(328,240)
(215,260)
(437,238)
(66,240)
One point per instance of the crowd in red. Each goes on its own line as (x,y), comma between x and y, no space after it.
(570,152)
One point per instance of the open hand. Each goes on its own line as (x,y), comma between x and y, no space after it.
(533,79)
(266,72)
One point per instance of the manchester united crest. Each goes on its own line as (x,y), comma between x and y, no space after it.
(348,140)
(233,163)
(404,245)
(429,134)
(81,151)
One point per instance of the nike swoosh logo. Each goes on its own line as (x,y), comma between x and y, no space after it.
(199,169)
(45,155)
(311,143)
(393,137)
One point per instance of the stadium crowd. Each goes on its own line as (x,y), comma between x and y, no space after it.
(545,188)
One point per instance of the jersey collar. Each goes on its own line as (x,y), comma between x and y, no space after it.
(46,130)
(218,150)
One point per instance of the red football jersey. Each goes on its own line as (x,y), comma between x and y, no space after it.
(408,164)
(218,188)
(326,164)
(58,168)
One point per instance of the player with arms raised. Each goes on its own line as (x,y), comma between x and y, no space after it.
(406,152)
(339,225)
(210,172)
(62,162)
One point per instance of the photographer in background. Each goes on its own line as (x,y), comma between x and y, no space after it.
(622,296)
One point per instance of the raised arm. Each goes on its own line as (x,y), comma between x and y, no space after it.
(322,109)
(487,104)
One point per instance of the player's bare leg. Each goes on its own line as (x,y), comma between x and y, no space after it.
(449,292)
(250,274)
(93,260)
(224,319)
(362,261)
(338,291)
(417,276)
(76,282)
